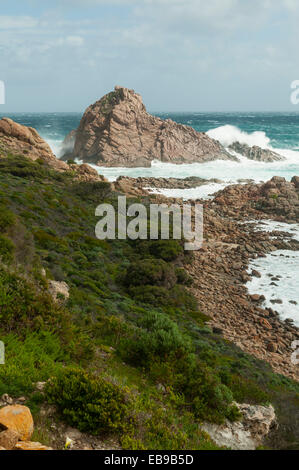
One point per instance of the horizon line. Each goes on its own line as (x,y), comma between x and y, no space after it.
(163,112)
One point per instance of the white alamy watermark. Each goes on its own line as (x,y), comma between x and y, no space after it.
(295,355)
(295,93)
(2,92)
(2,353)
(158,221)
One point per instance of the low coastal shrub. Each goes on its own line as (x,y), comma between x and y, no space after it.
(7,219)
(89,403)
(28,360)
(7,249)
(95,190)
(167,250)
(156,338)
(150,272)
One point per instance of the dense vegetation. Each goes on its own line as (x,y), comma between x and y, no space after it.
(128,353)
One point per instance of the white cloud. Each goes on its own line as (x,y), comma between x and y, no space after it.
(17,22)
(75,40)
(184,45)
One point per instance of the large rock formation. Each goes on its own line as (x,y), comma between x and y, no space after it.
(249,433)
(117,131)
(16,139)
(256,153)
(22,140)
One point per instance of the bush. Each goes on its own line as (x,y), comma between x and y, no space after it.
(95,190)
(177,297)
(183,277)
(168,250)
(27,361)
(209,399)
(153,295)
(150,272)
(157,338)
(89,403)
(7,249)
(7,219)
(22,307)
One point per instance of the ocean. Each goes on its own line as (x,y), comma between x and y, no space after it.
(268,130)
(277,131)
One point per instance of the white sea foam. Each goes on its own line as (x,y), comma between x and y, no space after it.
(227,135)
(282,285)
(279,272)
(273,226)
(206,191)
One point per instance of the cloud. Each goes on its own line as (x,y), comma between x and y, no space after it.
(170,50)
(75,40)
(17,22)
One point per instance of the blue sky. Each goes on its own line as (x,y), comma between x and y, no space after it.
(181,55)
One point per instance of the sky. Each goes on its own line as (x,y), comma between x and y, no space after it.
(181,55)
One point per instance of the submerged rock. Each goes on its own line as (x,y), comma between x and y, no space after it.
(117,131)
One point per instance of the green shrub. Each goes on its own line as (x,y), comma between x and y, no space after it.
(95,190)
(168,250)
(245,390)
(208,398)
(157,338)
(89,403)
(7,249)
(153,295)
(183,277)
(32,359)
(177,297)
(22,307)
(150,272)
(7,219)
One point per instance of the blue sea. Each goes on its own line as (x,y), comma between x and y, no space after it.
(268,130)
(274,131)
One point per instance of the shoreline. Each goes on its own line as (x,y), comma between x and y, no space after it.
(220,276)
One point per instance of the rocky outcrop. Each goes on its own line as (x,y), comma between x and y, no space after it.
(85,173)
(277,198)
(247,434)
(256,153)
(117,131)
(22,140)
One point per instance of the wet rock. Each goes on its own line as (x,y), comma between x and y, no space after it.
(256,153)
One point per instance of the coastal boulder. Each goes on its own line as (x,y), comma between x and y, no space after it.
(117,131)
